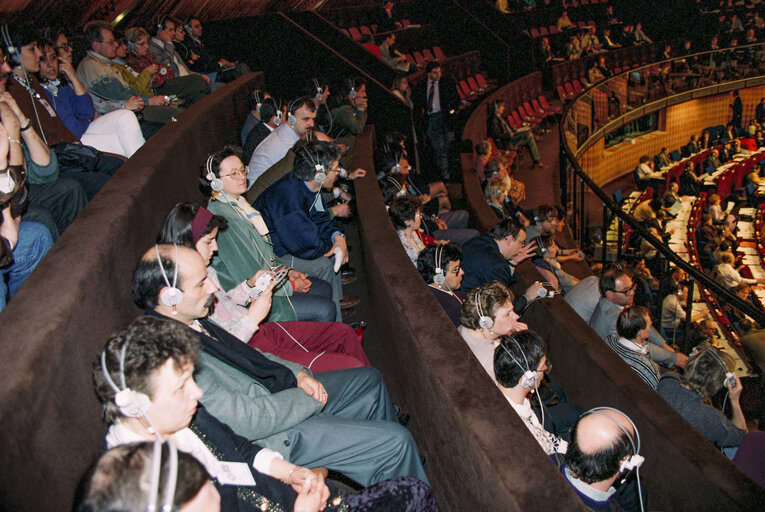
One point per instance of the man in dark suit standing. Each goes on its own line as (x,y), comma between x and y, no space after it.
(435,101)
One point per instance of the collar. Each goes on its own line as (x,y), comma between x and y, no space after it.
(51,86)
(585,489)
(98,56)
(631,345)
(158,42)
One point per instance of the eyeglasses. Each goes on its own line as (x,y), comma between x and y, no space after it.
(109,43)
(628,291)
(546,368)
(236,172)
(65,46)
(456,270)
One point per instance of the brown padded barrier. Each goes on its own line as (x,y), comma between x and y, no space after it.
(682,470)
(480,454)
(58,322)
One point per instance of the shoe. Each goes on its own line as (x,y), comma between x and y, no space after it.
(346,312)
(347,279)
(347,270)
(402,417)
(349,301)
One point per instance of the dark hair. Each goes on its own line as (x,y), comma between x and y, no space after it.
(403,209)
(309,154)
(303,101)
(386,160)
(355,83)
(217,158)
(601,465)
(161,21)
(268,109)
(492,296)
(544,212)
(609,277)
(150,342)
(703,372)
(433,64)
(92,31)
(505,228)
(631,321)
(176,228)
(147,280)
(118,481)
(20,34)
(426,261)
(390,186)
(511,357)
(644,159)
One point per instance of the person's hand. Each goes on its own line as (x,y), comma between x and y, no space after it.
(440,223)
(5,145)
(158,100)
(360,104)
(65,67)
(9,120)
(153,68)
(8,100)
(524,221)
(343,149)
(518,326)
(135,103)
(310,496)
(735,390)
(339,242)
(357,173)
(341,210)
(311,386)
(345,196)
(425,198)
(207,79)
(301,285)
(681,361)
(260,307)
(254,279)
(532,292)
(524,252)
(9,229)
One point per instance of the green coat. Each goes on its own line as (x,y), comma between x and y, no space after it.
(238,259)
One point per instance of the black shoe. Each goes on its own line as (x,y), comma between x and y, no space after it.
(347,270)
(402,417)
(423,461)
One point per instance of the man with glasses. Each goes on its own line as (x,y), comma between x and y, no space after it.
(202,59)
(617,292)
(185,83)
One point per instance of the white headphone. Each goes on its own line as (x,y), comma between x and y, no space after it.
(132,404)
(352,92)
(171,296)
(635,460)
(168,495)
(529,379)
(321,171)
(401,190)
(7,183)
(730,377)
(319,90)
(485,322)
(439,278)
(215,183)
(291,119)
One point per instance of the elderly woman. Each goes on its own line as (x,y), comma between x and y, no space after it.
(319,346)
(244,247)
(440,266)
(406,215)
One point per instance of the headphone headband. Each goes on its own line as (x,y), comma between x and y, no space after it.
(730,377)
(484,321)
(529,379)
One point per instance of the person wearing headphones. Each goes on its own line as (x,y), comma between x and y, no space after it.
(272,115)
(632,330)
(145,381)
(603,448)
(298,219)
(301,115)
(350,118)
(318,91)
(244,247)
(439,266)
(218,68)
(255,99)
(120,477)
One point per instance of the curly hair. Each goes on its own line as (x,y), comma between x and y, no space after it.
(491,296)
(426,261)
(403,209)
(703,373)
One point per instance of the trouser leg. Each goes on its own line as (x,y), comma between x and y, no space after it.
(323,268)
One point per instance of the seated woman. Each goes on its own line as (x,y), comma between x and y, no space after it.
(705,374)
(439,265)
(565,281)
(115,132)
(406,215)
(520,364)
(244,247)
(495,195)
(715,210)
(319,346)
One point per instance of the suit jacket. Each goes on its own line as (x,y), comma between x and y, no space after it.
(603,321)
(447,92)
(257,135)
(484,263)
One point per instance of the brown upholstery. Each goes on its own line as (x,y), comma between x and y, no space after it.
(58,322)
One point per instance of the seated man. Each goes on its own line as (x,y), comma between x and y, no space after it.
(493,257)
(632,329)
(350,118)
(397,62)
(318,91)
(520,364)
(253,118)
(271,117)
(342,420)
(662,159)
(617,292)
(153,360)
(217,68)
(121,475)
(297,216)
(191,85)
(301,113)
(643,172)
(603,449)
(713,160)
(673,313)
(504,136)
(440,266)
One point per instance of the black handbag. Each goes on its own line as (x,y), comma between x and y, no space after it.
(73,157)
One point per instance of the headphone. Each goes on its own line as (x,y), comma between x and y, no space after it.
(401,190)
(439,278)
(13,51)
(215,183)
(635,460)
(168,494)
(291,119)
(132,404)
(730,378)
(485,322)
(529,379)
(321,171)
(258,100)
(161,22)
(7,183)
(352,91)
(171,296)
(319,90)
(278,113)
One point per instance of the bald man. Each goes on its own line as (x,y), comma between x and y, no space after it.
(601,440)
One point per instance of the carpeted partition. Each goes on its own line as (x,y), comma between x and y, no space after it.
(58,322)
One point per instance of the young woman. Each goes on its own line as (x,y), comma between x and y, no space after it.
(319,346)
(406,215)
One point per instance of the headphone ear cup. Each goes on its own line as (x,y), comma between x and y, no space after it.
(171,296)
(485,322)
(215,183)
(291,119)
(320,177)
(7,183)
(529,379)
(439,278)
(132,404)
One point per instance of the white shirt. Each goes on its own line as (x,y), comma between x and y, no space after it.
(549,442)
(731,276)
(436,97)
(271,150)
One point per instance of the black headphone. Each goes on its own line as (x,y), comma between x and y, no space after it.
(171,296)
(529,379)
(439,278)
(13,52)
(215,183)
(485,322)
(168,495)
(730,377)
(132,404)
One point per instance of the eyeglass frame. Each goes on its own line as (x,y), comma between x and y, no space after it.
(244,171)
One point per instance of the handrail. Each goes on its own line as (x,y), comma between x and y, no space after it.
(663,248)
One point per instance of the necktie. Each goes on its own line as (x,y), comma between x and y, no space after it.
(430,96)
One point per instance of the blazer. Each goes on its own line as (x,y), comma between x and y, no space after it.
(447,92)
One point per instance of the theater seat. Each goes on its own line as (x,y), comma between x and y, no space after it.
(355,33)
(438,53)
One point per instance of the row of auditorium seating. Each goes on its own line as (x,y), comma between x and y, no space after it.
(553,29)
(357,33)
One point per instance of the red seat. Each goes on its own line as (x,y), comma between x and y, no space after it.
(543,31)
(538,108)
(570,89)
(419,59)
(577,86)
(405,23)
(355,34)
(461,94)
(464,87)
(562,93)
(410,59)
(481,81)
(345,31)
(554,29)
(428,56)
(365,30)
(439,54)
(473,84)
(551,108)
(374,28)
(534,32)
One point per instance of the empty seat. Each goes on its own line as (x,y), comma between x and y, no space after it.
(534,32)
(374,29)
(405,23)
(438,53)
(365,30)
(464,87)
(543,31)
(410,59)
(577,86)
(473,84)
(345,31)
(675,156)
(554,29)
(481,81)
(419,59)
(545,105)
(355,33)
(428,56)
